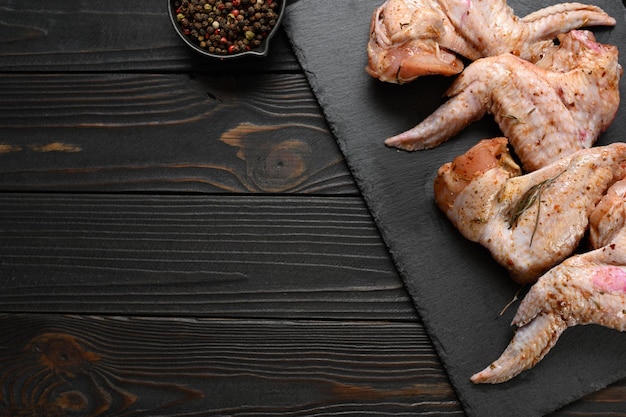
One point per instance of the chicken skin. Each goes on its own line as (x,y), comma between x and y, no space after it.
(609,216)
(530,222)
(545,113)
(585,289)
(413,38)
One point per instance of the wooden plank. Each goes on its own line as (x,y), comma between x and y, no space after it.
(116,35)
(56,365)
(215,256)
(75,365)
(159,132)
(610,401)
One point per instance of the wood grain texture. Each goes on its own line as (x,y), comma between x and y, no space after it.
(104,366)
(219,256)
(52,365)
(203,211)
(116,35)
(159,132)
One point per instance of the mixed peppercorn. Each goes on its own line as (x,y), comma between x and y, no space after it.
(226,27)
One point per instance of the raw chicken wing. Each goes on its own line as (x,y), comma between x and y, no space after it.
(412,38)
(545,113)
(585,289)
(531,222)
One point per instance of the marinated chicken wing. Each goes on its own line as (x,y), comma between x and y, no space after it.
(412,38)
(585,289)
(545,113)
(529,222)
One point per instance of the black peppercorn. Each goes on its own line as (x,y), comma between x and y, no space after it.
(226,27)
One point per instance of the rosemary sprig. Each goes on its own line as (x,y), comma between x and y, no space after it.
(514,299)
(527,200)
(516,118)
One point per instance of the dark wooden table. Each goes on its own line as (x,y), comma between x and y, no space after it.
(181,237)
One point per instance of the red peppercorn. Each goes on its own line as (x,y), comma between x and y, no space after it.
(226,26)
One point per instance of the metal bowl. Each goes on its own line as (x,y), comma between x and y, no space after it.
(260,51)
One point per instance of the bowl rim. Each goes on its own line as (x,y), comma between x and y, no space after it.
(260,51)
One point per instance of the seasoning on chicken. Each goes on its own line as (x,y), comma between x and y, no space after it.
(546,114)
(585,289)
(609,216)
(530,222)
(412,38)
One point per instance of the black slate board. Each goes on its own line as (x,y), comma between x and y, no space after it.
(458,289)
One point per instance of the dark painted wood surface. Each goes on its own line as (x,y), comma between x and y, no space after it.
(182,237)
